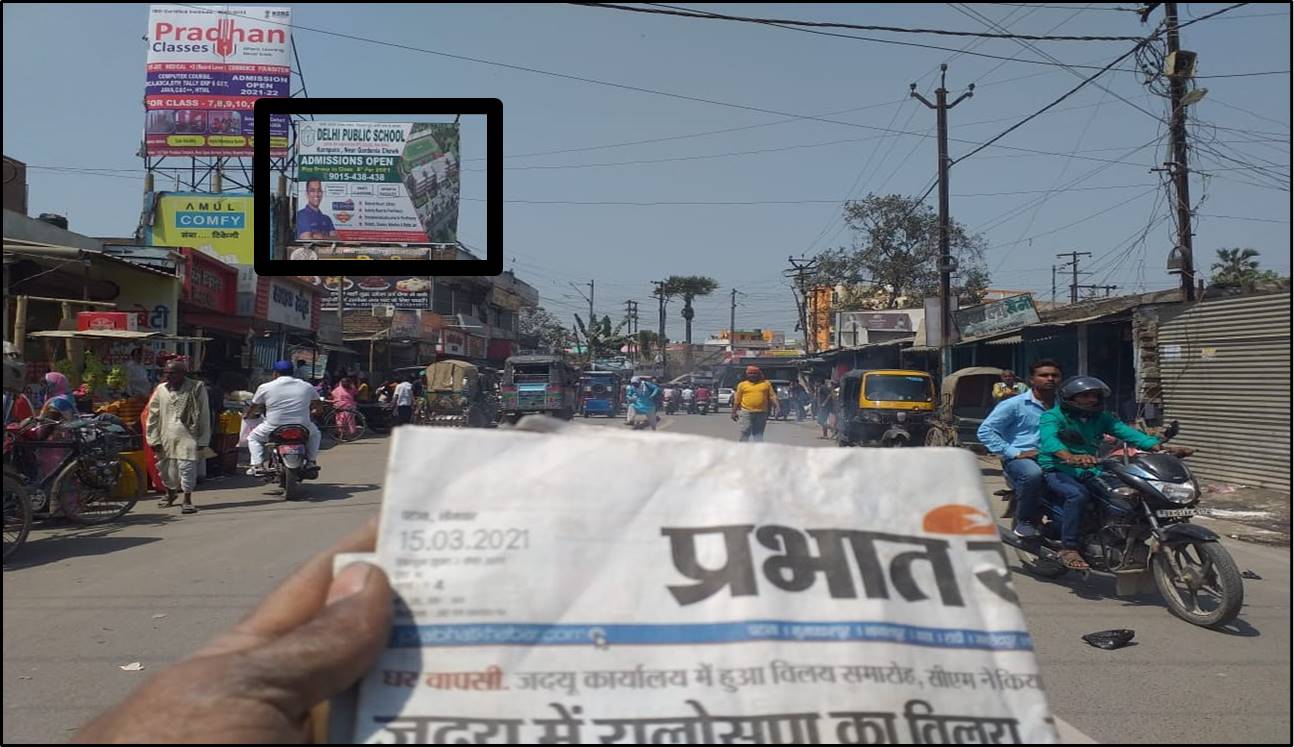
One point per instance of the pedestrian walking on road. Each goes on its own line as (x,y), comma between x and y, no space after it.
(826,405)
(752,401)
(179,428)
(404,401)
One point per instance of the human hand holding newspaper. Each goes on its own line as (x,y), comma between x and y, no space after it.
(604,586)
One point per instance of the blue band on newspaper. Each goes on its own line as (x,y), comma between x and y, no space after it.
(521,634)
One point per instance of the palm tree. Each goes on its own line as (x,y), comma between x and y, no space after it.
(1235,267)
(689,287)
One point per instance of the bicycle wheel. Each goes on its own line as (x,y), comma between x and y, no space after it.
(17,515)
(90,505)
(345,426)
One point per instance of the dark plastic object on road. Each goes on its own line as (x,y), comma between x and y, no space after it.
(1110,639)
(1251,575)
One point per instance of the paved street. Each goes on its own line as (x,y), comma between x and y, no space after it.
(80,604)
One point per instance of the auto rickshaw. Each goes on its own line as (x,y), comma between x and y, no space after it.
(539,384)
(885,407)
(453,396)
(600,393)
(967,399)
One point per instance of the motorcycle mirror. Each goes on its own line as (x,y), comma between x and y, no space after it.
(1172,430)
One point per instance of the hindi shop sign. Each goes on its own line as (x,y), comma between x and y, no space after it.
(206,68)
(996,316)
(288,304)
(209,284)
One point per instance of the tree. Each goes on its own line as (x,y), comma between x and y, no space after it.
(601,345)
(895,251)
(689,288)
(1239,268)
(647,342)
(540,330)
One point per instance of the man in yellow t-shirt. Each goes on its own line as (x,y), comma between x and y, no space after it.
(752,401)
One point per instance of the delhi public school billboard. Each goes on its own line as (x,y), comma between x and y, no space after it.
(217,223)
(206,68)
(377,181)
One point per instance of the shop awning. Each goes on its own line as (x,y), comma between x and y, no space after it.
(1012,340)
(236,325)
(115,334)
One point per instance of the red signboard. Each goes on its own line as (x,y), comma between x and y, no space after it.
(99,321)
(501,350)
(209,284)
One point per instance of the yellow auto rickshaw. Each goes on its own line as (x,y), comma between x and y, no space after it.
(885,407)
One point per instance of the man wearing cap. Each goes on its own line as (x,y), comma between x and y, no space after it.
(285,400)
(179,428)
(752,401)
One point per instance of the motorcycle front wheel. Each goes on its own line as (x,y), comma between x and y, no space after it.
(1200,582)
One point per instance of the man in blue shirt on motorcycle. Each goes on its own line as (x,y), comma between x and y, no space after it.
(1011,432)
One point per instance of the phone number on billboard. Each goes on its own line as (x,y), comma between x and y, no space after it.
(334,177)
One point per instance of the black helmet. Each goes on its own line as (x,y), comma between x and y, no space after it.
(1077,385)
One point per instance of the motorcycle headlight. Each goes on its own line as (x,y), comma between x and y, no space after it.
(1175,492)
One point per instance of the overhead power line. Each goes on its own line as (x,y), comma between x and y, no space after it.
(670,10)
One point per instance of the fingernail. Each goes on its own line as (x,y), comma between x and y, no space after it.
(349,582)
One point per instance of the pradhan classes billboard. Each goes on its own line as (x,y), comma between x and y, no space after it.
(207,66)
(377,181)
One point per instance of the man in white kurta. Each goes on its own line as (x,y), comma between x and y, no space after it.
(179,428)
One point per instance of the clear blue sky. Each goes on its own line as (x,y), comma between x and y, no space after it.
(74,80)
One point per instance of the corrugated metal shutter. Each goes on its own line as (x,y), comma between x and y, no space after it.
(1225,365)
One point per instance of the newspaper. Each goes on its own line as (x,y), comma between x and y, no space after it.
(598,586)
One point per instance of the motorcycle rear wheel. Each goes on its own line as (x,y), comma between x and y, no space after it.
(291,485)
(1182,571)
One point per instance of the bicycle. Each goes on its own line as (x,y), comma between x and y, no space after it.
(342,424)
(17,514)
(90,485)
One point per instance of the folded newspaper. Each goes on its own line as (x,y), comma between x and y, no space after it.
(598,586)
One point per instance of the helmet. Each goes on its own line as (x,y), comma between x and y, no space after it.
(1077,385)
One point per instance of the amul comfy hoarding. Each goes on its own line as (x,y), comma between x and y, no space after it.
(207,65)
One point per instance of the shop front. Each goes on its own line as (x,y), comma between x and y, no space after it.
(285,315)
(208,306)
(49,286)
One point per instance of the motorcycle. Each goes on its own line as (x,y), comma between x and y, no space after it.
(285,450)
(691,407)
(1137,530)
(703,407)
(640,421)
(671,406)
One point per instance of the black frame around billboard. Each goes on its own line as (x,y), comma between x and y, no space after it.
(492,264)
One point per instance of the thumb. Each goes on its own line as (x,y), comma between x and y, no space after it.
(331,652)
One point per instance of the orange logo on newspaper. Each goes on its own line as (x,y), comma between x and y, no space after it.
(958,519)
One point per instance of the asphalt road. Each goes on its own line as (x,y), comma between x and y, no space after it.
(80,604)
